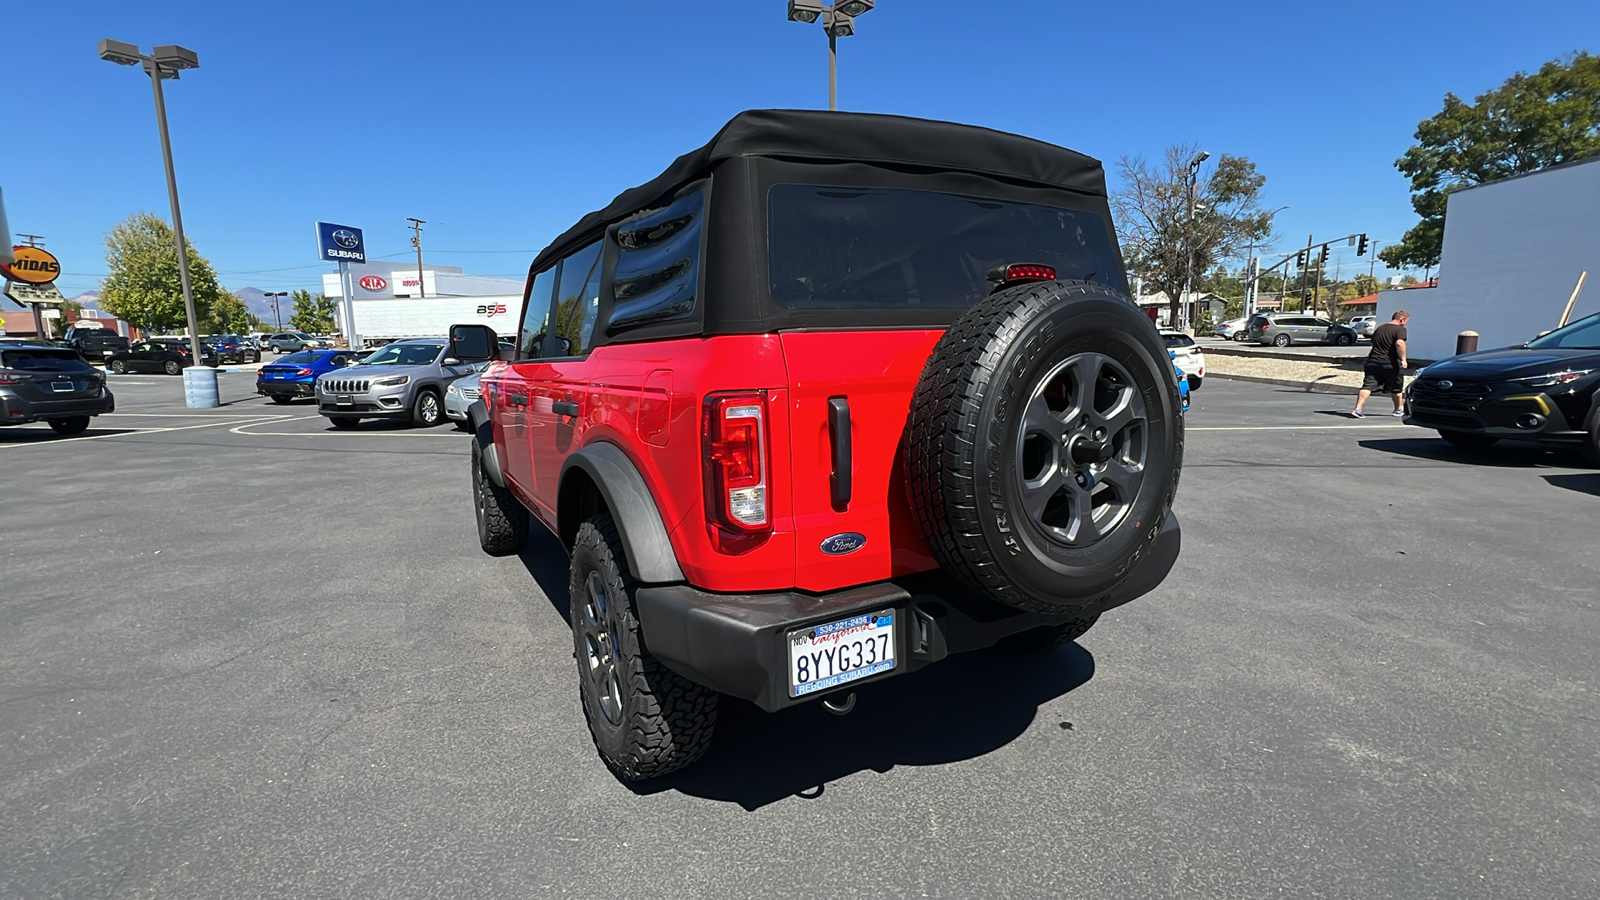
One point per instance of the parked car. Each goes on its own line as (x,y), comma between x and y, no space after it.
(1233,329)
(233,348)
(404,380)
(1187,354)
(1363,326)
(1283,329)
(883,400)
(1547,390)
(295,375)
(45,383)
(293,342)
(461,394)
(1183,383)
(169,355)
(258,339)
(93,344)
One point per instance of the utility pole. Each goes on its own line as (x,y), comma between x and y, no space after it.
(34,240)
(416,241)
(1372,265)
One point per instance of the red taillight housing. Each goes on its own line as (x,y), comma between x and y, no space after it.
(302,371)
(734,440)
(8,378)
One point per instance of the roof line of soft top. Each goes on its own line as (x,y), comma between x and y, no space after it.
(842,136)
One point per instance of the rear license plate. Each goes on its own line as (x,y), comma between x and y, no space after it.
(62,387)
(344,399)
(826,656)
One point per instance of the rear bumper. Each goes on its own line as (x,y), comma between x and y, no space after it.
(285,389)
(16,411)
(736,643)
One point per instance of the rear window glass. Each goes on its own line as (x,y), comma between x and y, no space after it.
(1178,340)
(44,361)
(303,358)
(886,248)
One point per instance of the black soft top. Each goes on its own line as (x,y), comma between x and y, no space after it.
(811,135)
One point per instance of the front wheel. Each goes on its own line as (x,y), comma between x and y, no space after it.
(171,367)
(117,366)
(646,720)
(502,519)
(1345,340)
(1282,340)
(72,426)
(1469,440)
(344,421)
(427,411)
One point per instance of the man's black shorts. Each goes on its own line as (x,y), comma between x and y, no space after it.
(1381,379)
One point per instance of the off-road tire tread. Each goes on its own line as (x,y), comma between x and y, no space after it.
(675,718)
(505,519)
(964,361)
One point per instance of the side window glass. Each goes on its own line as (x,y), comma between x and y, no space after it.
(536,321)
(577,302)
(658,264)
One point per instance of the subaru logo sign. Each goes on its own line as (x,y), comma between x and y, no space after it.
(840,544)
(340,243)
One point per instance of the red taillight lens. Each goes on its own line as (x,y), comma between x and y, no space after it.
(8,378)
(1029,270)
(735,443)
(297,371)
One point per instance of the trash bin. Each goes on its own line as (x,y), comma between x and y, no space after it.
(200,387)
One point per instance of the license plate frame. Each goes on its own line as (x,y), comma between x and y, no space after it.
(832,654)
(62,387)
(344,400)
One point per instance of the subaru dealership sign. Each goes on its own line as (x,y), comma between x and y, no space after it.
(340,243)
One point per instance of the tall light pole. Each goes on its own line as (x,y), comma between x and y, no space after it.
(1253,269)
(165,61)
(1188,273)
(277,314)
(838,20)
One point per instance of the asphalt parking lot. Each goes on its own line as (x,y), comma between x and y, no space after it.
(242,655)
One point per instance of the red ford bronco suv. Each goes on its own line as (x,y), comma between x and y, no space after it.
(834,396)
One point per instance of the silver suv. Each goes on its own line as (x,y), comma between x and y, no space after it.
(403,380)
(1283,329)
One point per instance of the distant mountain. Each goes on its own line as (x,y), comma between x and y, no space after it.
(87,298)
(260,305)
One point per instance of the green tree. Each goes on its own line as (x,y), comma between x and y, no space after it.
(311,314)
(1529,123)
(229,315)
(143,286)
(1157,231)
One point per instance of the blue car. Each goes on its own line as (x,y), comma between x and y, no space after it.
(295,375)
(1183,383)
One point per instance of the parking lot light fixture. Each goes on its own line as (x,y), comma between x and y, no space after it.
(805,11)
(838,21)
(165,62)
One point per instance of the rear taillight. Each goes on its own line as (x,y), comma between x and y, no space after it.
(735,444)
(297,371)
(8,378)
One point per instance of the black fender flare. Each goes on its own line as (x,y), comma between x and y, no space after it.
(478,416)
(651,558)
(488,457)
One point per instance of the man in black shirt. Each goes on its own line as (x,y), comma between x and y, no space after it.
(1385,363)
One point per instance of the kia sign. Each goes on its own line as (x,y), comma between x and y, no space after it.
(340,243)
(372,283)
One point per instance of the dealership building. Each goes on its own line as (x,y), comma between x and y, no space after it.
(384,281)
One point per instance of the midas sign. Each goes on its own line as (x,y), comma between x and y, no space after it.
(33,266)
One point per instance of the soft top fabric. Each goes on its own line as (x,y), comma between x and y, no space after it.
(850,137)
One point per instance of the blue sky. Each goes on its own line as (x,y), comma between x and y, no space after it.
(501,123)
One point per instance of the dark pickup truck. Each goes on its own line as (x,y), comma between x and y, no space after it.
(94,344)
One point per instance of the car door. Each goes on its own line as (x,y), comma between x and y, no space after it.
(511,403)
(1320,330)
(559,386)
(140,356)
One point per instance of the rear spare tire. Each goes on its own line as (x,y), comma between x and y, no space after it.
(1044,445)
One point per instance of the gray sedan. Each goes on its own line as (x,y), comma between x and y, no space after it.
(458,400)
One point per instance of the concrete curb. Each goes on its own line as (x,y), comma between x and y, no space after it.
(1310,387)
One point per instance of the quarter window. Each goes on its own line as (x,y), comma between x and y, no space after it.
(658,264)
(536,320)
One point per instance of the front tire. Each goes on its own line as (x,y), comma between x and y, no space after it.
(646,720)
(117,367)
(1345,340)
(427,410)
(1468,440)
(502,520)
(171,367)
(69,427)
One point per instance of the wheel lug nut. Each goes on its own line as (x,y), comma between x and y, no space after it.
(1099,434)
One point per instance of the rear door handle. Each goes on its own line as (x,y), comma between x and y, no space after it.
(839,438)
(517,399)
(564,408)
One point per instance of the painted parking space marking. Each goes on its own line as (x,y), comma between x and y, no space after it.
(126,432)
(240,430)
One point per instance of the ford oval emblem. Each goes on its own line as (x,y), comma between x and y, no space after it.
(346,239)
(1446,385)
(840,544)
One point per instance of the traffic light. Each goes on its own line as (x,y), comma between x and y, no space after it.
(1300,260)
(1361,246)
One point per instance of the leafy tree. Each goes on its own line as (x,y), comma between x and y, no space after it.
(312,314)
(1155,226)
(143,287)
(230,316)
(1529,123)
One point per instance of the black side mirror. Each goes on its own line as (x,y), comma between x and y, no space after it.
(472,343)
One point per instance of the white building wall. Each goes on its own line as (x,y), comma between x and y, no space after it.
(1513,251)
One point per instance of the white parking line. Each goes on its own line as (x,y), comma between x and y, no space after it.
(329,434)
(125,432)
(1286,427)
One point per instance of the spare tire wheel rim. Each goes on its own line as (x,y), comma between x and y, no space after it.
(1080,450)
